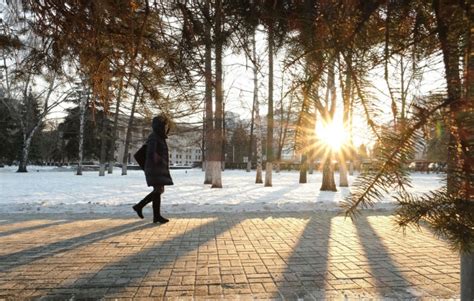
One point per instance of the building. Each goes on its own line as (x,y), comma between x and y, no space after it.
(184,143)
(185,147)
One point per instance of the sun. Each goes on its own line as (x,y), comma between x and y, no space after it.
(333,135)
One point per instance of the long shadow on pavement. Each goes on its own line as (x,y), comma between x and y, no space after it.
(305,274)
(132,269)
(32,228)
(12,260)
(388,278)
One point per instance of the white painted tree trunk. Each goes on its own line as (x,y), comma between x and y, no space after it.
(343,181)
(208,173)
(268,174)
(216,173)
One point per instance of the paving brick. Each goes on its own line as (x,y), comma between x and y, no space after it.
(246,256)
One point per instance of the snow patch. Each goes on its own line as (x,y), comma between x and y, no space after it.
(59,190)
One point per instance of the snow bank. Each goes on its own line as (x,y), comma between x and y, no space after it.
(59,190)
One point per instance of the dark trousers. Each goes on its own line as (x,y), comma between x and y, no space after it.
(155,197)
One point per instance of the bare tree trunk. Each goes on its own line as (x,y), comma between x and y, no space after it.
(209,126)
(258,139)
(351,133)
(128,136)
(258,122)
(114,131)
(313,140)
(103,146)
(460,154)
(328,183)
(303,169)
(252,122)
(269,165)
(82,113)
(218,116)
(203,143)
(343,178)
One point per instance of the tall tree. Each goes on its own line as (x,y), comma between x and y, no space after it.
(269,163)
(208,123)
(113,137)
(130,127)
(83,102)
(216,156)
(258,123)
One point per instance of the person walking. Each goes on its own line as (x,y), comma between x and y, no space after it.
(156,168)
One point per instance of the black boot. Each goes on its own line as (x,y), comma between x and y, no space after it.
(139,207)
(157,218)
(138,210)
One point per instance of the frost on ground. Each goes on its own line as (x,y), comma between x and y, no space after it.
(59,190)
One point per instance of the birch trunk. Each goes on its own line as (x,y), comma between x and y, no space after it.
(82,110)
(28,136)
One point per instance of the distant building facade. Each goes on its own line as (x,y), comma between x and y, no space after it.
(184,144)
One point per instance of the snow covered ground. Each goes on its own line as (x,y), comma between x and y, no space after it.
(53,190)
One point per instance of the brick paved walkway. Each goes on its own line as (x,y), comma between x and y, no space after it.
(223,256)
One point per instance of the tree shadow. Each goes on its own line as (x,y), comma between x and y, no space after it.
(306,268)
(32,228)
(130,270)
(12,260)
(386,275)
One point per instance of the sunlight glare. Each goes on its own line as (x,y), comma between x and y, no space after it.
(333,135)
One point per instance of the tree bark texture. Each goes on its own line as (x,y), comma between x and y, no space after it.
(128,136)
(103,146)
(269,165)
(114,131)
(218,116)
(258,121)
(82,113)
(208,124)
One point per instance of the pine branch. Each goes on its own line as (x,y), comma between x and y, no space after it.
(371,187)
(447,215)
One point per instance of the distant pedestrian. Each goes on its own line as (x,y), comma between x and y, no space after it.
(156,168)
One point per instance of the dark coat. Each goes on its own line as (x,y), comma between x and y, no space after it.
(157,158)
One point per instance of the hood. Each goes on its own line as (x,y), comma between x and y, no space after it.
(159,125)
